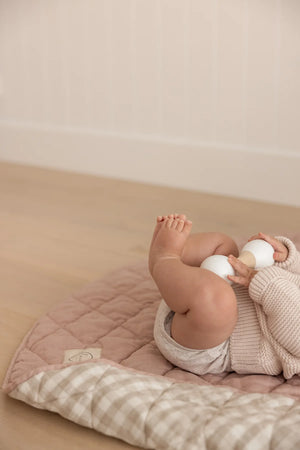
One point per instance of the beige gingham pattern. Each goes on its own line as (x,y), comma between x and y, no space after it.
(158,413)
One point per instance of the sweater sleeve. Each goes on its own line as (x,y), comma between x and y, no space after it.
(292,263)
(278,293)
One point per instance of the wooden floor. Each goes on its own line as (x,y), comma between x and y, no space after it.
(60,231)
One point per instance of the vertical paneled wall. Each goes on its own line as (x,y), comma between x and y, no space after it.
(215,79)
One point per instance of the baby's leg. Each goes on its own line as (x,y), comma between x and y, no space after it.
(201,245)
(204,304)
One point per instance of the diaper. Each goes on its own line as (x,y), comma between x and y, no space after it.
(211,360)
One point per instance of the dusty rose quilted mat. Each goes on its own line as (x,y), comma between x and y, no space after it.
(93,360)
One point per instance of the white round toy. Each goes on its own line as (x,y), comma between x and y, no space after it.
(219,265)
(255,254)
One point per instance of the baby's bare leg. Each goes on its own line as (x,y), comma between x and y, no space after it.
(204,304)
(201,245)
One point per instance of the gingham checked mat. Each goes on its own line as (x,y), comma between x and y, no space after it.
(158,413)
(93,360)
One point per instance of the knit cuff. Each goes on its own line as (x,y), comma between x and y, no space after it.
(261,281)
(292,262)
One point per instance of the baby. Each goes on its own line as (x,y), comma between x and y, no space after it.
(205,325)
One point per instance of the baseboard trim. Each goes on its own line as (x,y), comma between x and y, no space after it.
(259,175)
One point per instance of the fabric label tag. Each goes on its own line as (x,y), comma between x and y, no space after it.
(81,354)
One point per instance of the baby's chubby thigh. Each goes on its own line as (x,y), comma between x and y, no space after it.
(211,317)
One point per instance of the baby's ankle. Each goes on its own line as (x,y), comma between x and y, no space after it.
(163,260)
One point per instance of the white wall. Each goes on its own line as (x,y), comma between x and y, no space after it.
(200,94)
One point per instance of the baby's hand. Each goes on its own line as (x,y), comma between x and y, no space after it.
(280,250)
(244,274)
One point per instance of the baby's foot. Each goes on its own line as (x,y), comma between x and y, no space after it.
(160,220)
(169,238)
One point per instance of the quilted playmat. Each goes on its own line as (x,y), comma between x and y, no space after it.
(93,360)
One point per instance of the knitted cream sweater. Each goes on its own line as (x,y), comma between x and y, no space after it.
(266,338)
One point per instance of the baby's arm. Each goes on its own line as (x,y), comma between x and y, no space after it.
(277,292)
(286,256)
(245,274)
(292,262)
